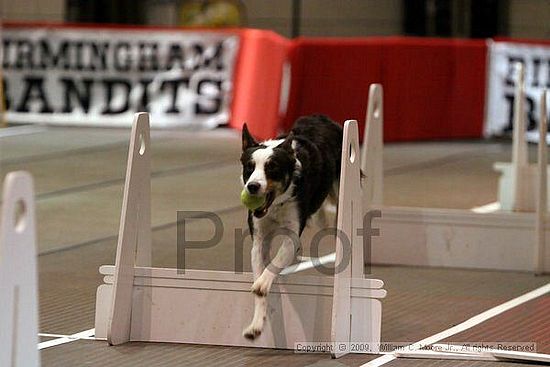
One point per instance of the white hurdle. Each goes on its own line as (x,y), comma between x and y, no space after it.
(419,236)
(518,180)
(18,280)
(138,302)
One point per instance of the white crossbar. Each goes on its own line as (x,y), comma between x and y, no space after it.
(309,264)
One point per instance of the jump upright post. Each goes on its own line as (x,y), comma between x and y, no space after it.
(18,279)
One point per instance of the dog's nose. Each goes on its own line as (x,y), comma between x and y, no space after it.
(253,187)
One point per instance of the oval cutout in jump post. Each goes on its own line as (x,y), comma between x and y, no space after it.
(351,149)
(20,213)
(18,279)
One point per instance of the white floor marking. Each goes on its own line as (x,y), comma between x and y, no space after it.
(86,334)
(21,130)
(487,208)
(471,322)
(49,335)
(429,354)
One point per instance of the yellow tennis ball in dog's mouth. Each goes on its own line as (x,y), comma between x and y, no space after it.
(252,202)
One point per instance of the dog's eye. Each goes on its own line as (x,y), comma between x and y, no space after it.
(249,166)
(272,166)
(274,171)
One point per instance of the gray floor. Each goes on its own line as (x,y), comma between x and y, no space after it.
(79,174)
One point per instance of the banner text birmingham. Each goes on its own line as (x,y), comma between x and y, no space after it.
(120,56)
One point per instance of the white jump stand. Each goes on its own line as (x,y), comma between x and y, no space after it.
(142,303)
(18,281)
(518,180)
(415,236)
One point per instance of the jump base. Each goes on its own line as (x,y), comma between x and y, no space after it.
(213,307)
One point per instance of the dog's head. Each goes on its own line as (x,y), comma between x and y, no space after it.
(268,168)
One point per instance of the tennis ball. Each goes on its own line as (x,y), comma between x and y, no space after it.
(252,202)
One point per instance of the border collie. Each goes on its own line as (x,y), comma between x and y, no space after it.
(296,174)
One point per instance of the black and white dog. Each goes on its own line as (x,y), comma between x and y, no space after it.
(297,174)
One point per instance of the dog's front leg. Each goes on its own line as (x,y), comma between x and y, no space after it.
(284,258)
(258,258)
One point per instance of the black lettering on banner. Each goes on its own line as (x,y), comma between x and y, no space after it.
(530,111)
(148,56)
(110,86)
(174,88)
(34,91)
(509,98)
(82,94)
(210,100)
(209,58)
(98,56)
(24,55)
(114,69)
(78,45)
(175,57)
(531,116)
(6,102)
(122,59)
(50,59)
(6,48)
(144,101)
(536,69)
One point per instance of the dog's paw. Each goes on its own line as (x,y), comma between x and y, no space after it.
(262,285)
(252,332)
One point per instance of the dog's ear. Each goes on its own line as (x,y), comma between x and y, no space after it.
(248,140)
(287,144)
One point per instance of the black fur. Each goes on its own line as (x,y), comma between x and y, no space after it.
(318,142)
(318,148)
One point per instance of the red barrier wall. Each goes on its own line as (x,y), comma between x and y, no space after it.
(331,76)
(257,81)
(433,88)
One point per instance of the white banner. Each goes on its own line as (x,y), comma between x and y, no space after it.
(101,77)
(501,85)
